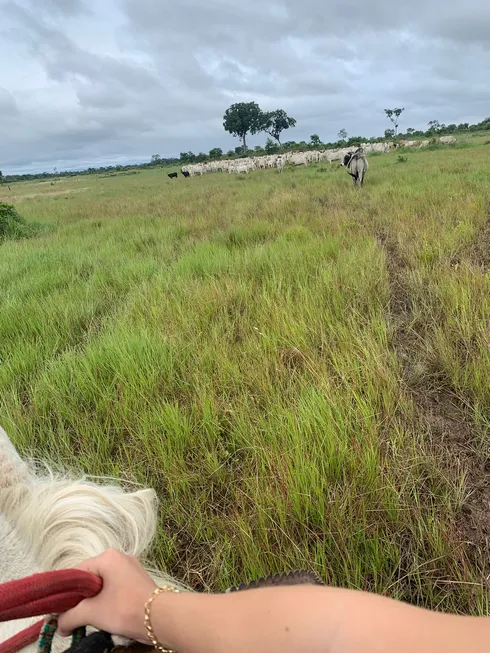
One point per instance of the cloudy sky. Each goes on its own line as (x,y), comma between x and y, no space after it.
(95,82)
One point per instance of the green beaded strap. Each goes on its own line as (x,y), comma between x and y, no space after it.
(48,631)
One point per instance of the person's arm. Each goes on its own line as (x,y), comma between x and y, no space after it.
(270,620)
(312,620)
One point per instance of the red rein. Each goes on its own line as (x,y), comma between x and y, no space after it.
(40,595)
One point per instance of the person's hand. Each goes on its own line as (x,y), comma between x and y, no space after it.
(119,606)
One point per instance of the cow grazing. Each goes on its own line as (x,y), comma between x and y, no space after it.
(186,173)
(172,175)
(448,140)
(357,165)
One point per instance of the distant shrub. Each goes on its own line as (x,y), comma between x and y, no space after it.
(13,226)
(402,159)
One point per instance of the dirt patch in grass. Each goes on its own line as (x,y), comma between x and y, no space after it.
(12,198)
(452,428)
(438,411)
(479,250)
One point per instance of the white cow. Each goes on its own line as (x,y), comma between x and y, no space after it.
(244,165)
(448,140)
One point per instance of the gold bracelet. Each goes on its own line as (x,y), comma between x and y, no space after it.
(148,626)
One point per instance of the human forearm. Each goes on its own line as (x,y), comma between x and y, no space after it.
(374,624)
(273,620)
(265,621)
(316,620)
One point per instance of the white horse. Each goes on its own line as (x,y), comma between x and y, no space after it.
(48,522)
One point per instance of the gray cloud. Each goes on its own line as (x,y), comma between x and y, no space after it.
(92,83)
(8,105)
(65,7)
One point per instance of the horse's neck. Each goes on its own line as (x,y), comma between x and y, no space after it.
(48,523)
(16,561)
(15,558)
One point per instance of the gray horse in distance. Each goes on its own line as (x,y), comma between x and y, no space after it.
(357,165)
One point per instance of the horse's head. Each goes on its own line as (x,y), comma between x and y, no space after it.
(50,522)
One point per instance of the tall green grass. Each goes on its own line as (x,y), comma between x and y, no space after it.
(234,343)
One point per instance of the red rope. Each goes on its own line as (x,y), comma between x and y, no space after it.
(21,640)
(42,594)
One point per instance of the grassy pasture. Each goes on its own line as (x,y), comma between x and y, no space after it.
(300,369)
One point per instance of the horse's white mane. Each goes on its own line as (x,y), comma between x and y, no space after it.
(55,522)
(65,521)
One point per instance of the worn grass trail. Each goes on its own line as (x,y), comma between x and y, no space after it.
(298,368)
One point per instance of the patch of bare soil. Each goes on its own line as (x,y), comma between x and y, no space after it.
(479,251)
(12,198)
(440,413)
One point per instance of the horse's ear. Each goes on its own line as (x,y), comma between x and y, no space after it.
(13,469)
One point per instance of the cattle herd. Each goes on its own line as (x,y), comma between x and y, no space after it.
(353,159)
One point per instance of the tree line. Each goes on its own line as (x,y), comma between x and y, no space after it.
(247,118)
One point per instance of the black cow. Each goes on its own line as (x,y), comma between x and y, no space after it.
(186,173)
(172,175)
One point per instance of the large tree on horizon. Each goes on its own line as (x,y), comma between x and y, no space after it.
(243,118)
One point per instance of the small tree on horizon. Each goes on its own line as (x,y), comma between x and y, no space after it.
(342,135)
(275,122)
(315,140)
(394,116)
(215,153)
(270,146)
(434,125)
(187,157)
